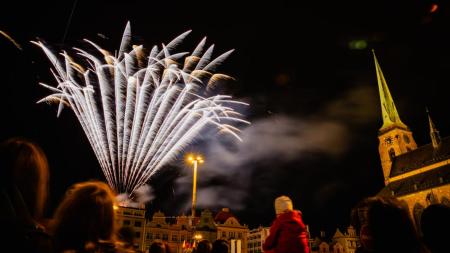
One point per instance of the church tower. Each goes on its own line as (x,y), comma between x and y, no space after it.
(394,136)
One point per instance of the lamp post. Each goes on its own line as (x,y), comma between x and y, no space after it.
(195,160)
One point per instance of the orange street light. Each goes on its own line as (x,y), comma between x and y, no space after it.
(195,160)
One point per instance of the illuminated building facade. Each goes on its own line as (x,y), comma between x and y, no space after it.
(182,232)
(419,176)
(256,239)
(134,218)
(346,242)
(176,234)
(229,229)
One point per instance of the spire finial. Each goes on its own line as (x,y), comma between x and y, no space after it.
(434,133)
(388,109)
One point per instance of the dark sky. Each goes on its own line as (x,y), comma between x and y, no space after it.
(313,97)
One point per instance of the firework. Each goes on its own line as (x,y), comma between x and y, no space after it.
(140,110)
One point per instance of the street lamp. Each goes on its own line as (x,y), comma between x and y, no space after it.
(195,160)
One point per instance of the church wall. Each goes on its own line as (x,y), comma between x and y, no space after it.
(421,198)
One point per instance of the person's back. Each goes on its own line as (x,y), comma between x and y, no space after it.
(288,232)
(435,226)
(84,221)
(23,192)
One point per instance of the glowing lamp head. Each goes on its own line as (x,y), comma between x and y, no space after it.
(198,236)
(195,158)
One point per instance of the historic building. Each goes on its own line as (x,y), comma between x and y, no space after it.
(176,234)
(229,228)
(256,239)
(133,218)
(183,232)
(346,242)
(418,175)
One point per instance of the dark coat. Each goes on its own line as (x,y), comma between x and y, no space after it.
(287,234)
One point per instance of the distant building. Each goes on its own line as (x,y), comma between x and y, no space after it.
(229,228)
(134,218)
(346,242)
(256,239)
(416,175)
(183,232)
(176,234)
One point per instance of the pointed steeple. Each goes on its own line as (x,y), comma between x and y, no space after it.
(434,133)
(388,109)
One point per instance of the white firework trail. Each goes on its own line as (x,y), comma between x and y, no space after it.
(139,112)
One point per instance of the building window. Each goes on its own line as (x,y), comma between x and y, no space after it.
(165,237)
(138,234)
(174,238)
(157,236)
(231,234)
(224,234)
(182,237)
(239,235)
(391,153)
(126,222)
(149,236)
(137,224)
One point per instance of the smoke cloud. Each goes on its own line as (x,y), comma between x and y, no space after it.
(225,177)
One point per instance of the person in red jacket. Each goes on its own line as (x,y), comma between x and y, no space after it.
(287,233)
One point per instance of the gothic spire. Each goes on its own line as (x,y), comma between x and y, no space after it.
(434,133)
(388,109)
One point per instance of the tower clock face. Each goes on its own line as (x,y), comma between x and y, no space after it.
(388,140)
(406,138)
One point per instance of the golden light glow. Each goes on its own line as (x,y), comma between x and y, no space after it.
(191,158)
(198,236)
(115,207)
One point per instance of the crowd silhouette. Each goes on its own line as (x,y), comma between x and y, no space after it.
(84,221)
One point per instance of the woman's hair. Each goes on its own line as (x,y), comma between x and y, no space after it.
(24,166)
(86,215)
(385,225)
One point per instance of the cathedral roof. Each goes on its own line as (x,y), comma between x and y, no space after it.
(423,181)
(420,157)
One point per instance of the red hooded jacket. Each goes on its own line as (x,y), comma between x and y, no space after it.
(287,234)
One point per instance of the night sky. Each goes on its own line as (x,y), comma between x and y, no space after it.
(302,66)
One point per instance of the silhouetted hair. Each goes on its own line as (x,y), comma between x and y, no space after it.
(435,226)
(219,246)
(24,166)
(204,246)
(159,247)
(385,225)
(126,235)
(86,215)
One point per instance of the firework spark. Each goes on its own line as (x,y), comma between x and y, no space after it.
(139,112)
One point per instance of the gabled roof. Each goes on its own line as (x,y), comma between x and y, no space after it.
(338,234)
(420,157)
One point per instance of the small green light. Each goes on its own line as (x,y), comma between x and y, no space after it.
(357,44)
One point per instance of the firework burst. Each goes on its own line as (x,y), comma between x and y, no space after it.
(140,110)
